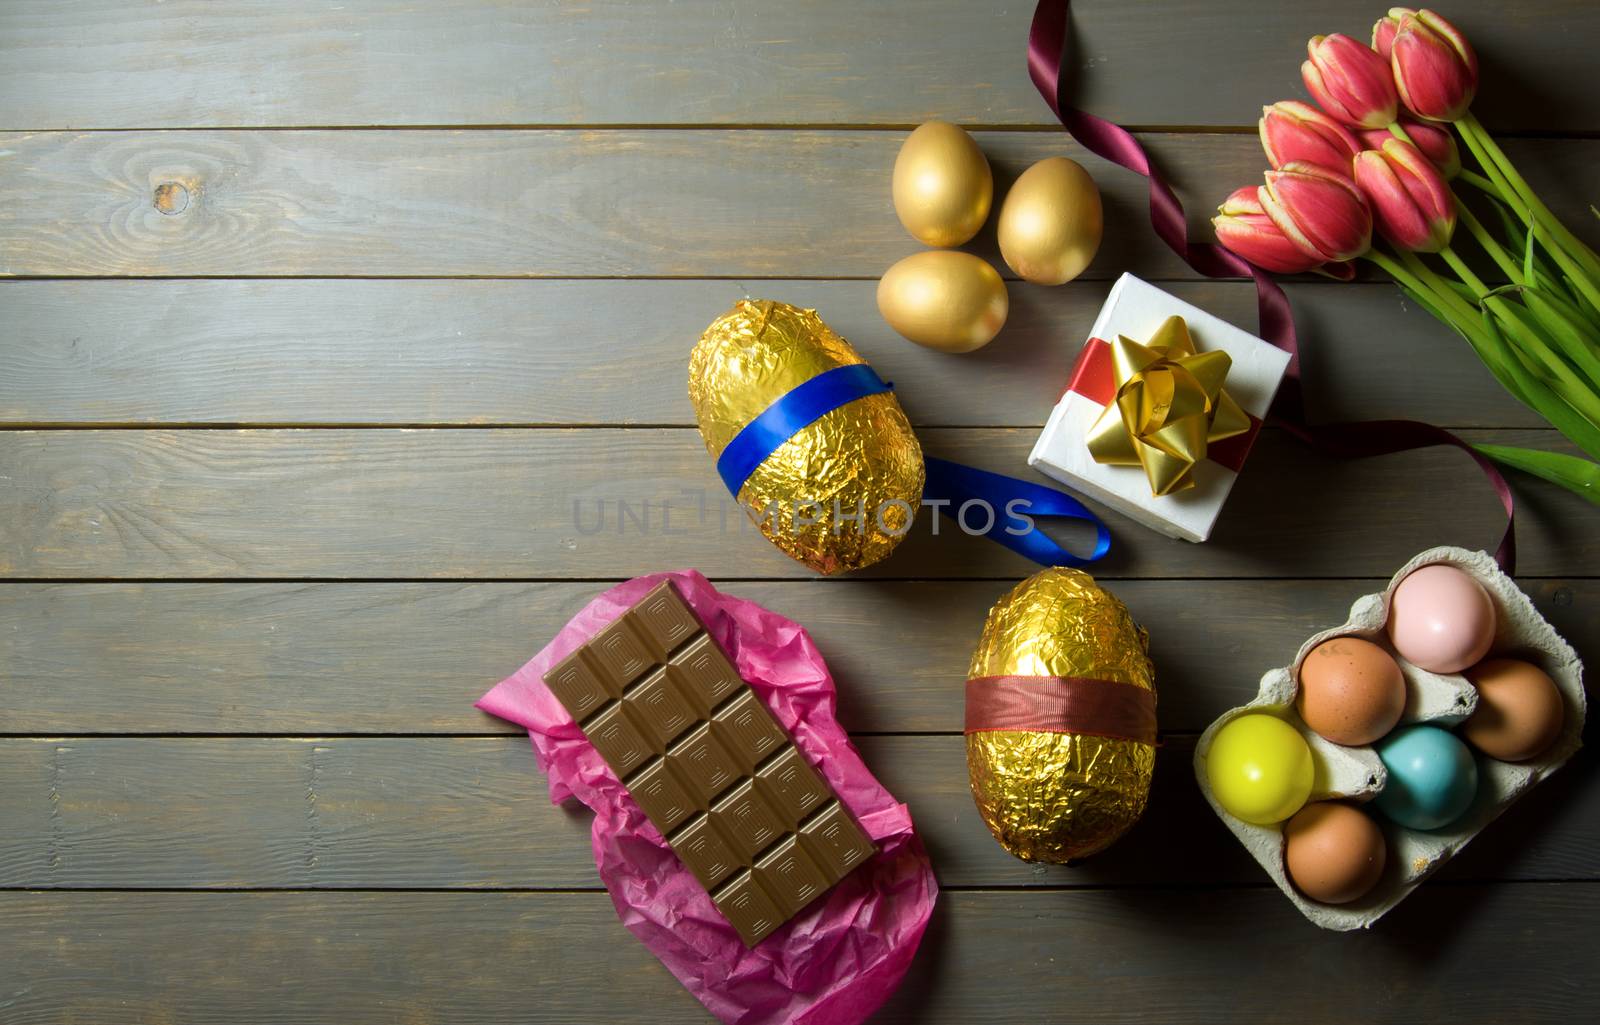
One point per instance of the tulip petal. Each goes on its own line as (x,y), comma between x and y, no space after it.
(1351,81)
(1294,131)
(1256,238)
(1323,213)
(1437,75)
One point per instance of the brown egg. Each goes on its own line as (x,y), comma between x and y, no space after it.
(1520,711)
(1051,222)
(1333,852)
(942,185)
(1351,691)
(944,299)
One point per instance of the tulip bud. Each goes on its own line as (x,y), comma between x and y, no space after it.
(1351,81)
(1436,143)
(1245,229)
(1294,131)
(1383,32)
(1435,69)
(1410,200)
(1322,213)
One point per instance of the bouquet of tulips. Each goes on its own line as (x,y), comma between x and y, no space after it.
(1380,153)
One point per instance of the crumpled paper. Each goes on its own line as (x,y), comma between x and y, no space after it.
(836,961)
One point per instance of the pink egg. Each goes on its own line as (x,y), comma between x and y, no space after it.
(1441,619)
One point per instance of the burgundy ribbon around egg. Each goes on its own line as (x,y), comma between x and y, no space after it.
(1048,42)
(1061,704)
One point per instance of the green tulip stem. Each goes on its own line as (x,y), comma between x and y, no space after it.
(1543,226)
(1398,130)
(1487,241)
(1527,202)
(1432,283)
(1480,183)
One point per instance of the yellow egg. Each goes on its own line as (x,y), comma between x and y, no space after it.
(944,299)
(942,185)
(1051,222)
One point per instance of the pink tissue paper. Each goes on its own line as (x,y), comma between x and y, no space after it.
(840,958)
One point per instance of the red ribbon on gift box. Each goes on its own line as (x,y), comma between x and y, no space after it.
(1094,377)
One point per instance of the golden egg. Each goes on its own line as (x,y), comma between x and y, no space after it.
(1051,222)
(942,185)
(944,299)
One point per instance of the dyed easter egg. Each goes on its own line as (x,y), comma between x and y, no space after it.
(1432,777)
(1441,619)
(1260,769)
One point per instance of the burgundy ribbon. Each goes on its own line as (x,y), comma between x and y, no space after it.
(1061,704)
(1047,43)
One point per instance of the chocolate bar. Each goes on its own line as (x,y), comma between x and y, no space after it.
(708,764)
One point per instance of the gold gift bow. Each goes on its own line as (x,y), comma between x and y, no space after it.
(1169,406)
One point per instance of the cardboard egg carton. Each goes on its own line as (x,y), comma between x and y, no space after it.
(1356,773)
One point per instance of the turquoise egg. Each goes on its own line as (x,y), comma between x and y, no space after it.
(1432,777)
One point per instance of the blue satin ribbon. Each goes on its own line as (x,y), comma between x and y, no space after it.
(950,483)
(956,484)
(793,411)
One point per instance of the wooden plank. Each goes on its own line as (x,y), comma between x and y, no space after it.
(1514,953)
(560,203)
(545,504)
(411,658)
(461,352)
(472,813)
(110,65)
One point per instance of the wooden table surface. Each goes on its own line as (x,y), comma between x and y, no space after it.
(322,321)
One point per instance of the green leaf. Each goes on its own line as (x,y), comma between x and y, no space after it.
(1579,476)
(1533,392)
(1567,335)
(1530,272)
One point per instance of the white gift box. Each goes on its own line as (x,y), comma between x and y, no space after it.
(1136,308)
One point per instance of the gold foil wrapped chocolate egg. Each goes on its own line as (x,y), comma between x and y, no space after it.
(1051,222)
(1065,650)
(945,300)
(943,187)
(841,492)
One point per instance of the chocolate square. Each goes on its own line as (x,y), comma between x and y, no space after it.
(836,840)
(580,689)
(793,786)
(749,908)
(660,707)
(618,740)
(747,820)
(790,875)
(749,730)
(662,796)
(705,673)
(706,765)
(707,852)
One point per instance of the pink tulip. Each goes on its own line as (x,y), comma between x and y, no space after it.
(1384,31)
(1294,131)
(1435,69)
(1351,81)
(1410,200)
(1322,213)
(1246,230)
(1436,143)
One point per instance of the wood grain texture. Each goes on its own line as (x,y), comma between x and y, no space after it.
(402,658)
(472,813)
(1451,953)
(563,203)
(589,352)
(385,62)
(545,504)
